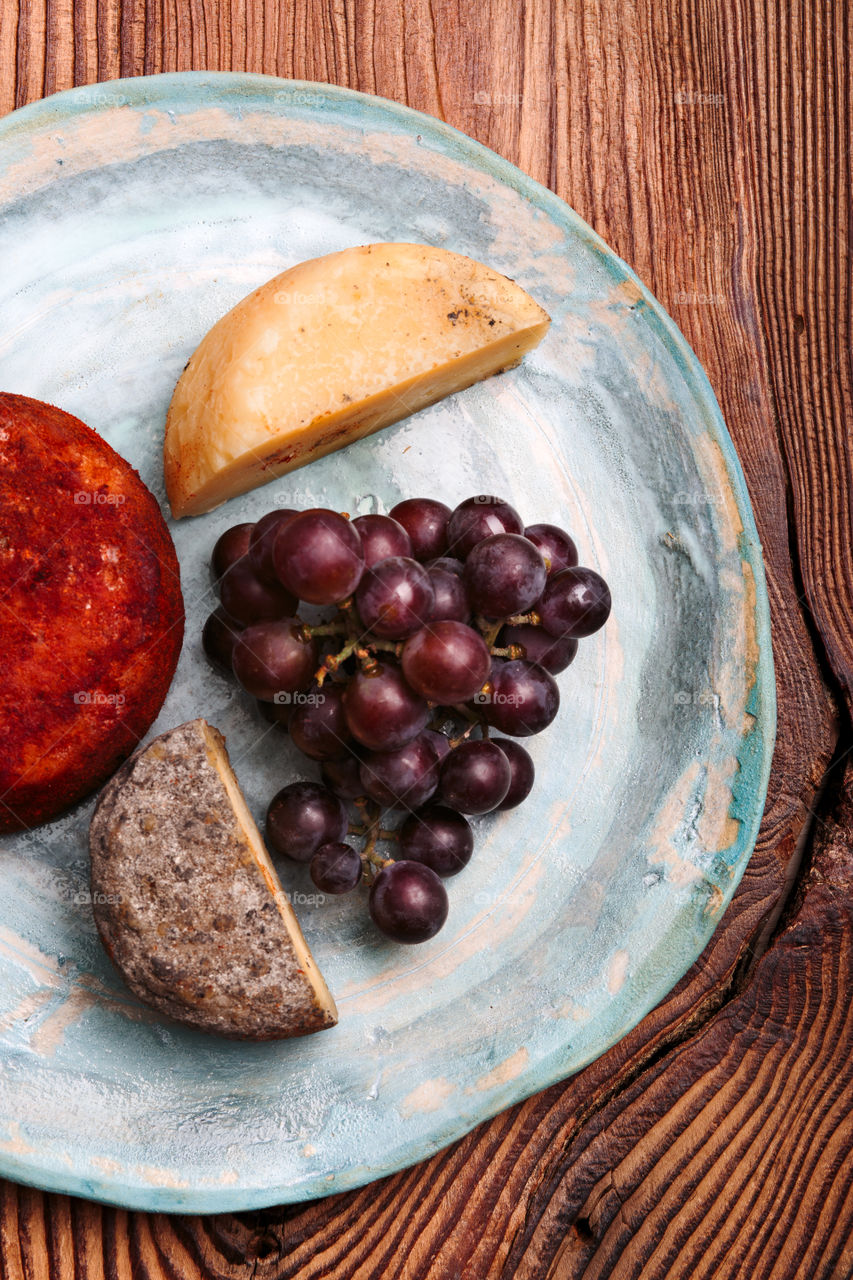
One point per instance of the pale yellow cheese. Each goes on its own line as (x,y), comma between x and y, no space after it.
(329,351)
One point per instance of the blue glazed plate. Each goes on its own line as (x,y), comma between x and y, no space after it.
(134,214)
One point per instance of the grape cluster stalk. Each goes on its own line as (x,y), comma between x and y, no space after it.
(445,626)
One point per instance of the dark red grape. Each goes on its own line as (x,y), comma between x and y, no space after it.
(395,597)
(475,777)
(479,518)
(447,662)
(408,902)
(218,638)
(557,548)
(230,547)
(575,603)
(302,817)
(402,779)
(523,772)
(382,710)
(381,537)
(318,556)
(504,574)
(540,646)
(520,698)
(336,867)
(438,837)
(343,777)
(451,598)
(439,742)
(318,725)
(425,521)
(246,599)
(262,541)
(273,660)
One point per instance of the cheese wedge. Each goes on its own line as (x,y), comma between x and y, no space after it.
(329,351)
(187,901)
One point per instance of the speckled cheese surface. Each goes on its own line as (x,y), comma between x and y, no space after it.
(186,899)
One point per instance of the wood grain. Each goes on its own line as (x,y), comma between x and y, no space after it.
(709,144)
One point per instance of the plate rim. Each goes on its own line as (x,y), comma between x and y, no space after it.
(756,746)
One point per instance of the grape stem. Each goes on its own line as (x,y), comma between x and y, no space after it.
(511,651)
(334,660)
(325,628)
(531,619)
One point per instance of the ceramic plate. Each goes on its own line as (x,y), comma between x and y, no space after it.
(133,215)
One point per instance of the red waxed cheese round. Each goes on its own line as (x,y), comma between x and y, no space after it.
(91,613)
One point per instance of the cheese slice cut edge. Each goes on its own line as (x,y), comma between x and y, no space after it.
(330,351)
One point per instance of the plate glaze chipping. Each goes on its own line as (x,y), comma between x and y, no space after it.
(134,214)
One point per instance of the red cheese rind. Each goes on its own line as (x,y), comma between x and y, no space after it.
(91,613)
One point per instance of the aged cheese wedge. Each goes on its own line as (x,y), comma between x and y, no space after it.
(331,350)
(187,901)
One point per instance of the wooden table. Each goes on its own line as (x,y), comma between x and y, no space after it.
(708,141)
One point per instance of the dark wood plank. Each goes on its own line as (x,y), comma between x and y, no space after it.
(709,145)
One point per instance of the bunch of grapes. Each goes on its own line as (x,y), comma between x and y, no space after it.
(447,625)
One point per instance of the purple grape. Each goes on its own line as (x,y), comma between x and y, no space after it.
(475,777)
(438,837)
(381,537)
(479,518)
(408,902)
(504,574)
(402,779)
(318,556)
(318,725)
(447,662)
(262,541)
(218,637)
(425,521)
(343,777)
(451,598)
(440,742)
(273,660)
(395,597)
(557,548)
(230,547)
(520,699)
(575,603)
(382,710)
(523,772)
(336,867)
(540,646)
(246,599)
(302,817)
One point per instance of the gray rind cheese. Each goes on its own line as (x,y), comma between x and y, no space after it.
(187,901)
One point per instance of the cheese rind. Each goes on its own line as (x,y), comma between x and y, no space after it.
(187,901)
(332,350)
